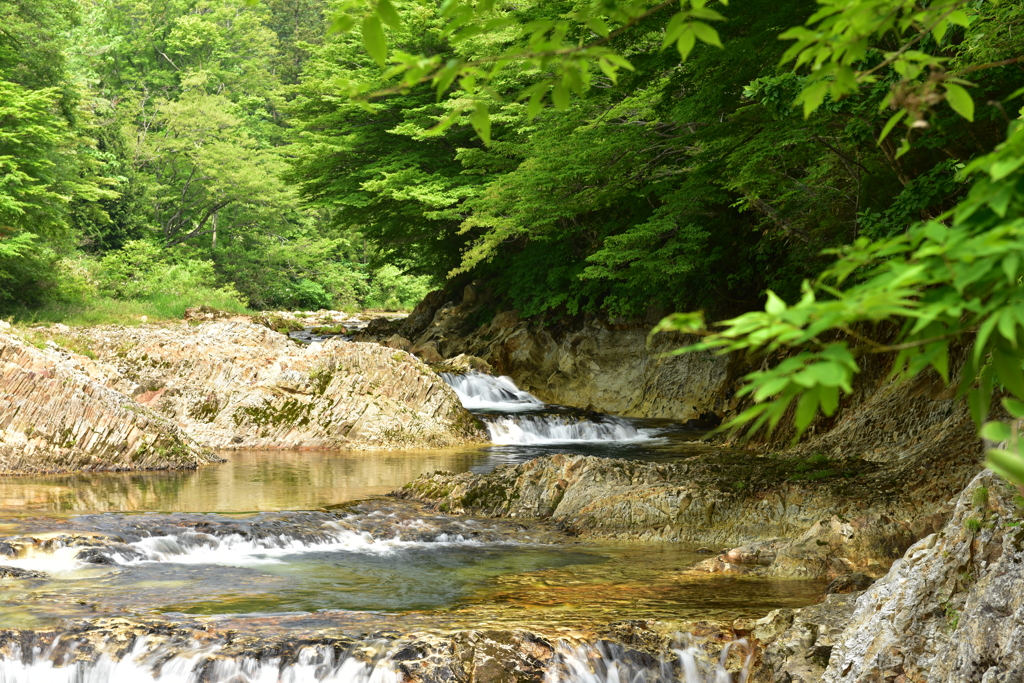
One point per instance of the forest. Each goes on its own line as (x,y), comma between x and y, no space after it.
(209,146)
(861,159)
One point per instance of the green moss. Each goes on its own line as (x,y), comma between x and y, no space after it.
(320,378)
(972,524)
(980,497)
(205,410)
(330,329)
(291,413)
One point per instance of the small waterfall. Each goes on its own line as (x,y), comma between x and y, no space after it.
(509,430)
(153,660)
(611,663)
(478,391)
(254,547)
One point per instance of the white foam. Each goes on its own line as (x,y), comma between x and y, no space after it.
(607,663)
(152,662)
(555,429)
(235,550)
(55,562)
(478,391)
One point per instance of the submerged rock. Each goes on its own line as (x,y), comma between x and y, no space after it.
(59,416)
(17,573)
(240,385)
(811,529)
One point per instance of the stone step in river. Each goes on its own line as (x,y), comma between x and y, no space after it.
(292,567)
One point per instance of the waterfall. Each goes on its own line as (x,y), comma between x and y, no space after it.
(253,548)
(605,662)
(154,660)
(510,430)
(488,395)
(478,391)
(177,659)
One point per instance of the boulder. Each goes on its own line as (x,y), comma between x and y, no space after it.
(241,385)
(56,417)
(952,609)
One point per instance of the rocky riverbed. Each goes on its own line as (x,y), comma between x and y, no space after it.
(881,516)
(159,396)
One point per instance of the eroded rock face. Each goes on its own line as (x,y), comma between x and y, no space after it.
(240,385)
(812,529)
(59,416)
(952,609)
(594,364)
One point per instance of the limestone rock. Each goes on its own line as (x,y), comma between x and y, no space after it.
(799,643)
(820,529)
(952,609)
(241,385)
(55,417)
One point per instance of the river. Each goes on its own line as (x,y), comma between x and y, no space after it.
(304,546)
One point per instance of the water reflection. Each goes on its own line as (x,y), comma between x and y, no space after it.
(249,481)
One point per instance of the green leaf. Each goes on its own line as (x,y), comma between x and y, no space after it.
(960,101)
(685,44)
(481,120)
(806,409)
(829,400)
(1007,464)
(598,26)
(1014,407)
(996,431)
(374,41)
(812,96)
(341,23)
(560,96)
(705,33)
(890,124)
(1007,367)
(387,13)
(774,305)
(536,103)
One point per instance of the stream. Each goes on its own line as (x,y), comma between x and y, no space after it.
(304,547)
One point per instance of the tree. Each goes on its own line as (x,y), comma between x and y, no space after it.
(957,275)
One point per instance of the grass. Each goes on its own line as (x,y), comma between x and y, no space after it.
(819,466)
(108,311)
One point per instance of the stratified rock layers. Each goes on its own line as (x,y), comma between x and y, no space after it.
(816,529)
(239,385)
(952,609)
(55,418)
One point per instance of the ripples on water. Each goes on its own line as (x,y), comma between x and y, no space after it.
(376,565)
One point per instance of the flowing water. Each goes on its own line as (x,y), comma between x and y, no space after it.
(301,547)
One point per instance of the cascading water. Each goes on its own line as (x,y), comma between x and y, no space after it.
(478,391)
(490,396)
(605,662)
(154,660)
(558,429)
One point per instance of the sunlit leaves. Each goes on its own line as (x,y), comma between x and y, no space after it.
(373,39)
(960,101)
(565,61)
(834,46)
(939,282)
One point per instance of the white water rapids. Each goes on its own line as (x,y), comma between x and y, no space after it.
(490,395)
(152,660)
(478,391)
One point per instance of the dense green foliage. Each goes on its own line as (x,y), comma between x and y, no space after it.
(152,134)
(729,162)
(862,158)
(678,186)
